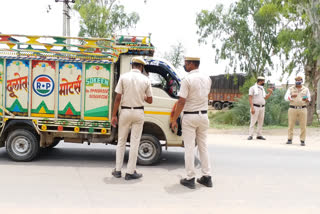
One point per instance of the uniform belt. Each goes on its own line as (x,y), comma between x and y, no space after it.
(258,105)
(298,107)
(195,112)
(126,107)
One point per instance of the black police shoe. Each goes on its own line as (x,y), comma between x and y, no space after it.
(302,143)
(116,174)
(250,138)
(289,141)
(260,138)
(133,176)
(188,183)
(205,180)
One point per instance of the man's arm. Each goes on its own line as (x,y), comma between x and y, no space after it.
(148,96)
(114,120)
(177,112)
(269,94)
(250,101)
(287,96)
(251,105)
(308,97)
(148,99)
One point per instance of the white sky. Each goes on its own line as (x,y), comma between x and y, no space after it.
(169,22)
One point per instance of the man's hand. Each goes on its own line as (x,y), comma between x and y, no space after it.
(252,110)
(270,90)
(114,121)
(294,95)
(174,126)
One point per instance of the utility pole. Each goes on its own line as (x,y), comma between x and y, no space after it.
(66,16)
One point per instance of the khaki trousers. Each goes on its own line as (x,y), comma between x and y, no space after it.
(301,116)
(134,119)
(194,129)
(258,116)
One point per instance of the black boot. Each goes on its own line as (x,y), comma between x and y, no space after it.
(261,138)
(289,141)
(135,175)
(116,174)
(302,143)
(188,183)
(205,180)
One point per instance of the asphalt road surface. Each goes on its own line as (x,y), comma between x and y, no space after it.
(249,177)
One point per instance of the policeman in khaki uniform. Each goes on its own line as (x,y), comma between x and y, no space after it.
(257,100)
(193,101)
(132,90)
(299,97)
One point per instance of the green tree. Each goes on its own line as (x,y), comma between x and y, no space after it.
(299,41)
(101,18)
(247,31)
(175,55)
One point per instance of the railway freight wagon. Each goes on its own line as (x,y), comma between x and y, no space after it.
(225,89)
(61,88)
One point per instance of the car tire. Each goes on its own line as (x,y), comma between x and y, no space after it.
(22,145)
(149,151)
(217,105)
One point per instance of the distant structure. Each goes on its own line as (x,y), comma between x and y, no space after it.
(66,16)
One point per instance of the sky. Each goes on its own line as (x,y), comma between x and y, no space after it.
(168,21)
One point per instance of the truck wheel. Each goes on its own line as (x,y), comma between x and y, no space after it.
(55,142)
(225,105)
(22,145)
(149,150)
(217,105)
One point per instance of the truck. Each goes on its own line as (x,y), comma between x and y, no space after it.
(56,89)
(225,90)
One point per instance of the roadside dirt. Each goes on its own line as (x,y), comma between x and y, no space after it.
(274,138)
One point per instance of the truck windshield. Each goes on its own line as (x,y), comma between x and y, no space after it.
(164,77)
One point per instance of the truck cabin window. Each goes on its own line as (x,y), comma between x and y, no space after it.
(160,78)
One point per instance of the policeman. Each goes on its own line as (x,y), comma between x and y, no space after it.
(132,90)
(257,100)
(193,101)
(299,97)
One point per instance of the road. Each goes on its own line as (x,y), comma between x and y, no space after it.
(249,177)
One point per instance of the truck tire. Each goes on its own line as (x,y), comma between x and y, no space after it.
(149,150)
(22,145)
(55,142)
(225,105)
(217,105)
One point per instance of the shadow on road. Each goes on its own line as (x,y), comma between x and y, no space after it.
(87,156)
(122,181)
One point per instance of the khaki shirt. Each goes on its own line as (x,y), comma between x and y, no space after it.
(297,101)
(195,88)
(133,86)
(257,98)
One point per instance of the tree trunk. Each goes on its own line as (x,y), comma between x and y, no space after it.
(311,108)
(312,76)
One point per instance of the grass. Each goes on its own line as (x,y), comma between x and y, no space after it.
(219,125)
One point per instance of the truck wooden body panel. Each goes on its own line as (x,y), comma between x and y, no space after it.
(225,90)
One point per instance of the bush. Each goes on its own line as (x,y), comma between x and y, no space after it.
(276,112)
(276,109)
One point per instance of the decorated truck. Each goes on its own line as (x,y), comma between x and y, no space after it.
(62,88)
